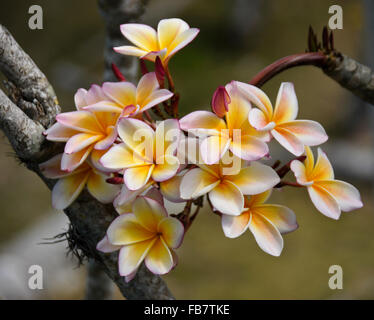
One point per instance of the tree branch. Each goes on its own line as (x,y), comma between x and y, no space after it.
(89,219)
(29,87)
(350,74)
(98,285)
(115,13)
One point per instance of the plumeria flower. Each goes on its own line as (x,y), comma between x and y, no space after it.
(144,153)
(83,130)
(266,222)
(130,99)
(329,196)
(226,186)
(70,184)
(290,133)
(171,36)
(235,134)
(147,234)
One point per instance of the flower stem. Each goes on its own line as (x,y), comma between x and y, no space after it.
(301,59)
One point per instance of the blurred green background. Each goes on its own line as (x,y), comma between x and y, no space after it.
(237,39)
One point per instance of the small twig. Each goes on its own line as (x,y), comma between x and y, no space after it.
(286,168)
(288,183)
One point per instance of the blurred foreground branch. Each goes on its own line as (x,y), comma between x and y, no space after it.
(29,109)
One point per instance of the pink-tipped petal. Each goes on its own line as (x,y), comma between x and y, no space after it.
(202,122)
(155,194)
(159,259)
(255,178)
(121,92)
(168,135)
(141,35)
(149,212)
(324,202)
(80,141)
(67,189)
(196,183)
(347,196)
(130,51)
(170,189)
(146,86)
(121,156)
(298,168)
(155,98)
(182,40)
(130,257)
(249,148)
(286,106)
(235,226)
(266,234)
(172,232)
(105,246)
(59,133)
(257,97)
(80,98)
(283,218)
(227,198)
(169,29)
(138,136)
(125,230)
(95,94)
(70,162)
(137,177)
(310,133)
(166,167)
(82,120)
(323,169)
(52,168)
(109,140)
(104,106)
(213,148)
(258,120)
(288,140)
(100,189)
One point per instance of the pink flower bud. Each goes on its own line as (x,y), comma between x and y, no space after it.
(220,101)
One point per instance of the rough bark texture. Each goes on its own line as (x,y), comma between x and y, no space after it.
(115,13)
(352,75)
(98,285)
(33,110)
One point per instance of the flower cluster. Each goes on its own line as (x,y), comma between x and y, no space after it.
(115,148)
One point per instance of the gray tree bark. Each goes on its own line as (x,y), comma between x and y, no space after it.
(29,108)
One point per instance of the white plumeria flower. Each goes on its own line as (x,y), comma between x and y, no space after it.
(146,234)
(226,186)
(235,134)
(142,97)
(267,222)
(171,36)
(290,133)
(144,159)
(329,196)
(70,184)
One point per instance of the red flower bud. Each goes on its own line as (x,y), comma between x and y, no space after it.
(220,101)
